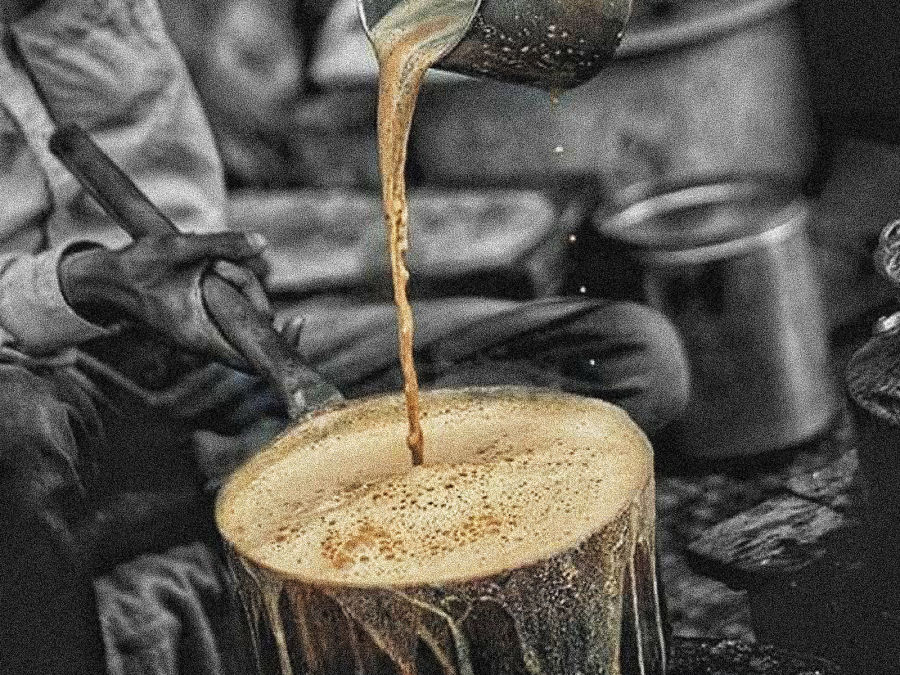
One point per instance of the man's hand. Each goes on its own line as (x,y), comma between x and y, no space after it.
(156,281)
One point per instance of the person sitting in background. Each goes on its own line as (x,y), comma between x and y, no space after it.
(119,408)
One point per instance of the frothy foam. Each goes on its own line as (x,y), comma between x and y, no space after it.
(505,481)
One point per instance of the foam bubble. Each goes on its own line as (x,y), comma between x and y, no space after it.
(505,481)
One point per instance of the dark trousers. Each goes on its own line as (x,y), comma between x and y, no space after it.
(85,484)
(51,436)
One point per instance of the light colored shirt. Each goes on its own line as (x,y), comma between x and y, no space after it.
(109,66)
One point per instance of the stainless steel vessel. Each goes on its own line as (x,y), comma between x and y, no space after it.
(553,45)
(730,263)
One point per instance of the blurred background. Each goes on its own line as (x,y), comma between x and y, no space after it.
(733,167)
(802,93)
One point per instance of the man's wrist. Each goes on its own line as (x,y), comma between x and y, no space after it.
(87,280)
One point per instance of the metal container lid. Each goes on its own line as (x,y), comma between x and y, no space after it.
(703,222)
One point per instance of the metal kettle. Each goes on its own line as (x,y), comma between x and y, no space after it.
(551,45)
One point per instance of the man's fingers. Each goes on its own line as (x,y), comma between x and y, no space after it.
(234,246)
(259,266)
(292,328)
(203,390)
(247,283)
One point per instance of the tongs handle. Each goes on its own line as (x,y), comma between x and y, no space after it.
(302,388)
(113,190)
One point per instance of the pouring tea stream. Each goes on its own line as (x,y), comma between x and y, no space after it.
(555,46)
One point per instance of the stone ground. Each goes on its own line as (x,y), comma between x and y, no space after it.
(859,197)
(690,501)
(698,605)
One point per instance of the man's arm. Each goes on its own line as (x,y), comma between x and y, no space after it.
(128,87)
(35,317)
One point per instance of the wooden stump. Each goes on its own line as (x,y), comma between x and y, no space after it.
(560,610)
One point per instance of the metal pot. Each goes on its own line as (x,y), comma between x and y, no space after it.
(361,626)
(554,45)
(731,265)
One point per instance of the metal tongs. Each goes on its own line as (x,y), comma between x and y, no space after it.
(265,351)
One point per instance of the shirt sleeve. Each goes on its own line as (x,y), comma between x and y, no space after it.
(109,66)
(34,316)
